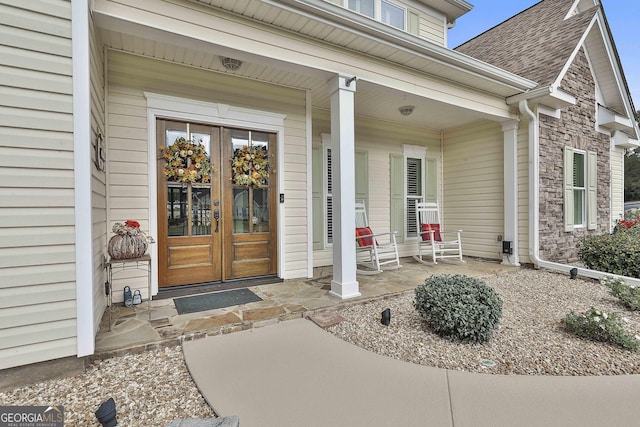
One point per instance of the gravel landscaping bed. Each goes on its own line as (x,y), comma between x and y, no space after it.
(529,341)
(154,388)
(150,389)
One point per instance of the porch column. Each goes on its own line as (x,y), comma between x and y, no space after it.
(344,284)
(510,131)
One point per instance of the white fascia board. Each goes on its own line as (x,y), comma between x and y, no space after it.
(549,96)
(331,14)
(613,121)
(622,140)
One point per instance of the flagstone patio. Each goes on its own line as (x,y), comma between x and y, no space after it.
(136,329)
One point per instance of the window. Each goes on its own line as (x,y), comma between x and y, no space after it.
(580,189)
(381,10)
(328,196)
(364,7)
(579,198)
(392,15)
(322,190)
(413,194)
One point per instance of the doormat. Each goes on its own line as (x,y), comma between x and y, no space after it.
(214,300)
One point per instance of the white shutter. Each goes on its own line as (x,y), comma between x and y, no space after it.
(592,190)
(568,189)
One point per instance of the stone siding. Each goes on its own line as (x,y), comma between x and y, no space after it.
(575,128)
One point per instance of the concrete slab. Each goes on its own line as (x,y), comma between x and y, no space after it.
(295,374)
(483,400)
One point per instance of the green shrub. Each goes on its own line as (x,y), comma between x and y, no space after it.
(617,253)
(629,295)
(597,325)
(459,307)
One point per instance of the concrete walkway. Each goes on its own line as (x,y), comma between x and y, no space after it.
(294,373)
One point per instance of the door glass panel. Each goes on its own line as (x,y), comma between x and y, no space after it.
(260,210)
(202,139)
(201,210)
(241,210)
(239,139)
(177,210)
(173,134)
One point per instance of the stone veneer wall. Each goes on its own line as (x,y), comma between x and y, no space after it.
(575,128)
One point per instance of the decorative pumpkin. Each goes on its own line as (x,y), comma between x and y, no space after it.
(129,241)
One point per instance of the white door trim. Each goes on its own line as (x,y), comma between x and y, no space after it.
(171,107)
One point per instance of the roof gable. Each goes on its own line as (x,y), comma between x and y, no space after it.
(536,43)
(541,43)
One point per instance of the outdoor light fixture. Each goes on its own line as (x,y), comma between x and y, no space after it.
(106,413)
(573,272)
(386,317)
(406,110)
(230,64)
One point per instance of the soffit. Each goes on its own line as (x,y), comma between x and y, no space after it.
(337,26)
(371,100)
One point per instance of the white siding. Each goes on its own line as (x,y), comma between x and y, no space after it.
(98,180)
(473,187)
(523,191)
(128,193)
(617,185)
(37,253)
(379,140)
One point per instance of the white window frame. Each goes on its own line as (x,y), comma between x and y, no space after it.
(419,153)
(377,12)
(582,190)
(589,205)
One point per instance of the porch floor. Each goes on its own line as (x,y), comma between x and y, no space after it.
(136,329)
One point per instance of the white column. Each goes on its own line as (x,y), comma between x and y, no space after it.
(510,131)
(344,284)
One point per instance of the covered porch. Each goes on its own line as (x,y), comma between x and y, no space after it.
(352,99)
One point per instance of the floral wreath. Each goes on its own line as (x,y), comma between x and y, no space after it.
(250,166)
(186,161)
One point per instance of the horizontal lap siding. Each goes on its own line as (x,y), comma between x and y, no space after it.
(129,76)
(379,140)
(37,235)
(617,185)
(523,191)
(473,187)
(98,180)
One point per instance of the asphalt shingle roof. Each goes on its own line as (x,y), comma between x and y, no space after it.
(535,44)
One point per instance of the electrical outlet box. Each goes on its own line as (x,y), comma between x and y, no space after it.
(499,238)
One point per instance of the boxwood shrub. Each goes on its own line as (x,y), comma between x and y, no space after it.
(459,307)
(617,253)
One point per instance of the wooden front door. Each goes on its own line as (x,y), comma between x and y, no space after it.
(210,228)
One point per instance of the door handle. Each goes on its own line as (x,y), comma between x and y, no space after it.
(216,216)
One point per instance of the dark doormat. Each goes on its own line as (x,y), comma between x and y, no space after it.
(214,300)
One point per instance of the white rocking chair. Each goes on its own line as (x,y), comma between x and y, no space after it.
(431,241)
(374,252)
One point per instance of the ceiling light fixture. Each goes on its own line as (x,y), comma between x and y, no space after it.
(230,64)
(406,110)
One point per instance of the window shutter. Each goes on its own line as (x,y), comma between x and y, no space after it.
(317,167)
(592,190)
(397,195)
(568,189)
(431,194)
(362,177)
(413,23)
(329,199)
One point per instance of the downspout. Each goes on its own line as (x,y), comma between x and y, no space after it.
(534,207)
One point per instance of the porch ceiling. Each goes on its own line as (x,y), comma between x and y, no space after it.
(371,100)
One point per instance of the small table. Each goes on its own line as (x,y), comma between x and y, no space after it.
(141,263)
